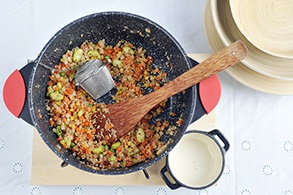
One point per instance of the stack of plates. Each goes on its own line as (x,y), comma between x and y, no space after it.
(266,27)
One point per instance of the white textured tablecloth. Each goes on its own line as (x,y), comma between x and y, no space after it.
(259,126)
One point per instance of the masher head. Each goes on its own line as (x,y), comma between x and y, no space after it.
(95,78)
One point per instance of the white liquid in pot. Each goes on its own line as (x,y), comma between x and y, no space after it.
(196,161)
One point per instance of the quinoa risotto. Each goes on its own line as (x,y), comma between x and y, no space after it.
(72,109)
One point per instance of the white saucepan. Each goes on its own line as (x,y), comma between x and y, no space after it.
(197,161)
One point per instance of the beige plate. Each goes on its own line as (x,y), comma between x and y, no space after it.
(240,72)
(268,24)
(259,61)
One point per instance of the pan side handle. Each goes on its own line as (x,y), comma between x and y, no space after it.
(15,92)
(208,93)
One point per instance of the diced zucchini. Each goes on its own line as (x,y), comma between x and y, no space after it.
(80,113)
(117,63)
(140,135)
(115,145)
(59,85)
(127,49)
(94,53)
(98,150)
(77,55)
(56,96)
(112,158)
(50,90)
(58,131)
(67,141)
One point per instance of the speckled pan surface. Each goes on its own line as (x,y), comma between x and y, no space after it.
(113,26)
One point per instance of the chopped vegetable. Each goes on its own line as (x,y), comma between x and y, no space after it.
(71,108)
(66,142)
(115,145)
(80,113)
(56,96)
(94,53)
(117,63)
(77,55)
(140,135)
(128,50)
(112,158)
(98,150)
(58,131)
(72,145)
(62,74)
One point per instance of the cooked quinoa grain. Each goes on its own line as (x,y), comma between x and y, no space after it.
(72,109)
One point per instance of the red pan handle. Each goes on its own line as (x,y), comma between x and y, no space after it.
(210,92)
(15,92)
(208,95)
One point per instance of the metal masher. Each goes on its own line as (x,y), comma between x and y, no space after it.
(94,77)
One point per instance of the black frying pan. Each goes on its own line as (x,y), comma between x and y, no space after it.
(111,26)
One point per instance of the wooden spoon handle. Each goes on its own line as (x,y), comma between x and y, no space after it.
(225,58)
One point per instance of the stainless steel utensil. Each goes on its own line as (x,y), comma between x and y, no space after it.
(95,78)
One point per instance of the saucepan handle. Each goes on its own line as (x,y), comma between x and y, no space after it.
(172,185)
(220,135)
(15,92)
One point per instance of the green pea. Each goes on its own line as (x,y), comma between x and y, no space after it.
(106,57)
(62,74)
(72,145)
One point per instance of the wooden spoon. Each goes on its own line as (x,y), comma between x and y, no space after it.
(124,115)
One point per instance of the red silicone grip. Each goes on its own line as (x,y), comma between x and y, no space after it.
(14,93)
(210,92)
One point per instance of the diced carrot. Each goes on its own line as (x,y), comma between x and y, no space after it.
(51,122)
(119,149)
(81,118)
(86,123)
(117,49)
(109,126)
(157,87)
(109,51)
(128,163)
(77,129)
(89,136)
(179,121)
